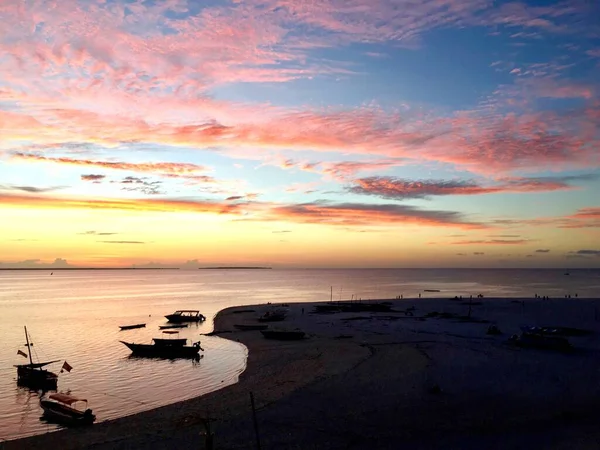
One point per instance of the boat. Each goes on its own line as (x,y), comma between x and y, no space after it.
(61,408)
(33,375)
(131,327)
(284,335)
(555,331)
(165,348)
(186,315)
(272,316)
(179,325)
(541,341)
(249,327)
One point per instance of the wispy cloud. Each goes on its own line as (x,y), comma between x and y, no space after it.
(97,233)
(187,171)
(358,214)
(493,242)
(122,242)
(398,188)
(96,178)
(32,189)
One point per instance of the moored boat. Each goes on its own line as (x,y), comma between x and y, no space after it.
(272,316)
(33,375)
(165,348)
(284,335)
(61,408)
(186,315)
(167,327)
(131,327)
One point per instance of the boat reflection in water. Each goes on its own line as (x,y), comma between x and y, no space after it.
(66,410)
(165,347)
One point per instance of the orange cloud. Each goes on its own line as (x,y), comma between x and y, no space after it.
(159,205)
(493,242)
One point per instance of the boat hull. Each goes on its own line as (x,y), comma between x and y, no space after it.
(131,327)
(37,378)
(162,351)
(55,412)
(178,318)
(244,327)
(283,335)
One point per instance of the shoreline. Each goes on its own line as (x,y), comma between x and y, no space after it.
(358,366)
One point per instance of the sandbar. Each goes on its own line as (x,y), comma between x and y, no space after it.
(424,375)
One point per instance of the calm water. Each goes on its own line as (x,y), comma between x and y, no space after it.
(74,316)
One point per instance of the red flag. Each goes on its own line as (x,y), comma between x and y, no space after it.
(66,367)
(19,352)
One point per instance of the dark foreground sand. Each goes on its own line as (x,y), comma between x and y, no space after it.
(366,380)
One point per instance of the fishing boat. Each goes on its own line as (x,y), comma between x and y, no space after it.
(284,335)
(186,315)
(67,410)
(33,375)
(131,327)
(165,347)
(249,327)
(167,327)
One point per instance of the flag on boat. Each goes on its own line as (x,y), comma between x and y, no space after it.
(19,352)
(66,366)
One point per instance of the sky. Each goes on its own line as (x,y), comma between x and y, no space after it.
(300,133)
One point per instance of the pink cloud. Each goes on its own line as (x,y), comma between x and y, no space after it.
(357,214)
(396,188)
(185,171)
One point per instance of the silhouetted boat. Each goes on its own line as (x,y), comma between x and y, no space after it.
(131,327)
(284,335)
(244,327)
(180,325)
(541,341)
(165,348)
(272,316)
(186,315)
(60,408)
(32,375)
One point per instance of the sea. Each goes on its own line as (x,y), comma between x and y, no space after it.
(74,316)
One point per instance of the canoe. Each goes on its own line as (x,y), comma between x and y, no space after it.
(131,327)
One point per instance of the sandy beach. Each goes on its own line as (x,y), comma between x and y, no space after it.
(423,374)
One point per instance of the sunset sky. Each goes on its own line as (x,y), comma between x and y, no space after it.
(300,133)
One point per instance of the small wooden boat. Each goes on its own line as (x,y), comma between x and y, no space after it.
(61,408)
(166,327)
(249,327)
(165,348)
(131,327)
(284,335)
(33,375)
(186,315)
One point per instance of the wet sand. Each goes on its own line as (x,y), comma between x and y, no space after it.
(373,380)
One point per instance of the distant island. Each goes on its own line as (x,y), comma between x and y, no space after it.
(235,268)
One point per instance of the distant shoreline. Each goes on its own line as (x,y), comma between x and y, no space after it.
(235,268)
(52,269)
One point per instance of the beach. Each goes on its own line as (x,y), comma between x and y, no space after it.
(425,373)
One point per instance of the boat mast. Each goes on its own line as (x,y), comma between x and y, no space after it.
(28,346)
